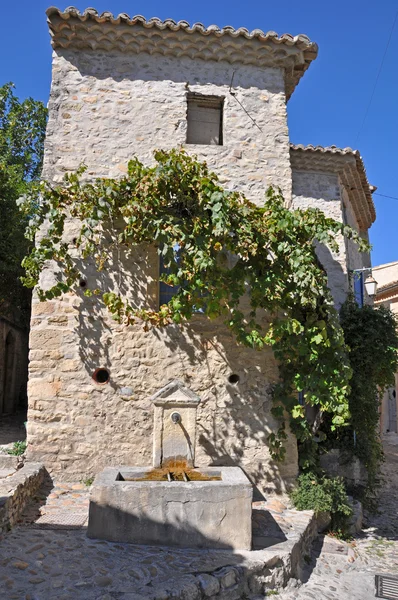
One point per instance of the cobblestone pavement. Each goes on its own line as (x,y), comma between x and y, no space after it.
(338,571)
(48,556)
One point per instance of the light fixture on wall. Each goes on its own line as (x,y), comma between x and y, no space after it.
(370,283)
(370,286)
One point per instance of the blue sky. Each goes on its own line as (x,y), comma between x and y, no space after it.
(328,105)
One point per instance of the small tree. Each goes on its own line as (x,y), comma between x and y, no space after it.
(22,130)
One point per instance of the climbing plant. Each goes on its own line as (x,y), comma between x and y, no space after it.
(228,249)
(371,335)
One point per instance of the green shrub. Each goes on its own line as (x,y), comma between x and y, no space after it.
(88,481)
(323,494)
(18,449)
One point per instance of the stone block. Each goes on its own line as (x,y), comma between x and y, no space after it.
(8,461)
(200,514)
(355,523)
(335,464)
(209,584)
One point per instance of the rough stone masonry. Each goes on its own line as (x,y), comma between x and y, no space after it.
(119,89)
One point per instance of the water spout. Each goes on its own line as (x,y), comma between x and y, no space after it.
(176,418)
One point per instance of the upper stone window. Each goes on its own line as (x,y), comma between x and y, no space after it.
(205,119)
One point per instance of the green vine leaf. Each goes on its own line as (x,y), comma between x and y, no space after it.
(230,250)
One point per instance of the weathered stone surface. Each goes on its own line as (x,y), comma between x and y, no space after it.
(102,113)
(16,491)
(209,584)
(194,514)
(356,520)
(174,441)
(58,552)
(335,464)
(326,192)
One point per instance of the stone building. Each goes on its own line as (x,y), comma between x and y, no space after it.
(387,295)
(123,87)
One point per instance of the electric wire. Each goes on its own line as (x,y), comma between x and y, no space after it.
(377,78)
(385,196)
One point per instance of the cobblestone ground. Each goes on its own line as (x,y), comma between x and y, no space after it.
(49,557)
(12,429)
(337,571)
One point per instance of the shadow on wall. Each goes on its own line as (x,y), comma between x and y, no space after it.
(234,418)
(234,383)
(337,278)
(118,525)
(119,67)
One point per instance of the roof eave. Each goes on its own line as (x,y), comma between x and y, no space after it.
(348,164)
(72,29)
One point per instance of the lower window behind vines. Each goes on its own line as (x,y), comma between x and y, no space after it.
(166,292)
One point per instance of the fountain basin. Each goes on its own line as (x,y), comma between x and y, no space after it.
(127,506)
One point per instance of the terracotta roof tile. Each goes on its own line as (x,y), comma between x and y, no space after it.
(349,165)
(91,30)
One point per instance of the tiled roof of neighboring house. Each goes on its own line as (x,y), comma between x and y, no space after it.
(349,165)
(385,292)
(386,286)
(106,32)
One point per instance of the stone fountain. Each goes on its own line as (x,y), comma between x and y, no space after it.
(173,503)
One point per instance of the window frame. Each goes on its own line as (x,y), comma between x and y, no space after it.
(212,102)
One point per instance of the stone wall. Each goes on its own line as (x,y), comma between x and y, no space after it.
(322,190)
(103,110)
(16,491)
(355,259)
(106,108)
(325,191)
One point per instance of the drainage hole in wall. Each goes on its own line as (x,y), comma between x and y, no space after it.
(101,376)
(234,378)
(83,283)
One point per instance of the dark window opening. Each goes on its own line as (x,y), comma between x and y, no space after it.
(166,292)
(205,120)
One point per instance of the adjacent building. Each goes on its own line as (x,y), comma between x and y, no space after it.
(387,295)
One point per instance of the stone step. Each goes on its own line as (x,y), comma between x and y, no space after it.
(16,490)
(6,473)
(8,461)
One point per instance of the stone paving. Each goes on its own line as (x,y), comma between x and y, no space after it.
(48,556)
(338,571)
(12,429)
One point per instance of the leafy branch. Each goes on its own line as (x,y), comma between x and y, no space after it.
(253,266)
